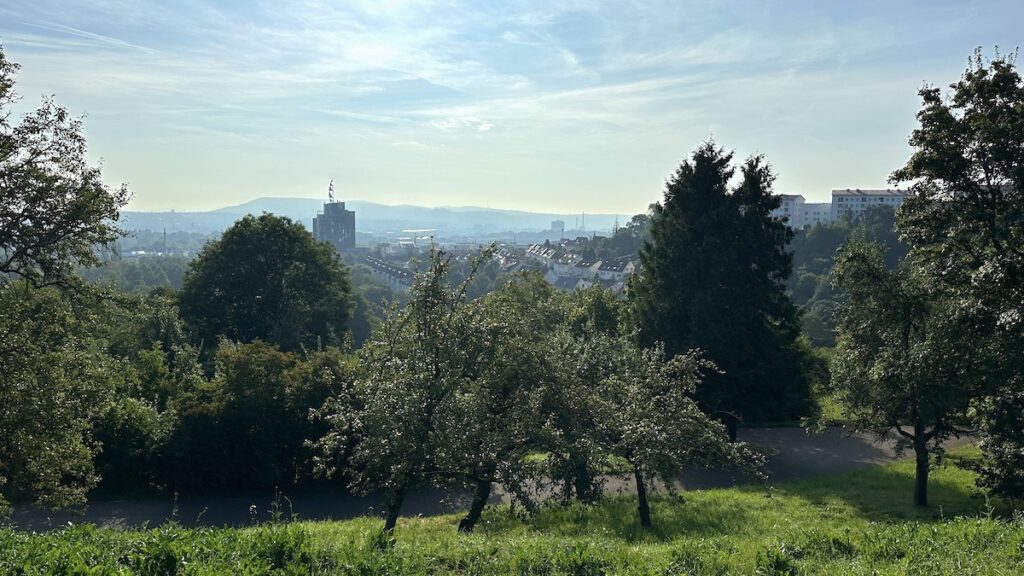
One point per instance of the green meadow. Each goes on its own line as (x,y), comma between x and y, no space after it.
(857,523)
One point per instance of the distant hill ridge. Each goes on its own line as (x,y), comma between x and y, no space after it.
(370,217)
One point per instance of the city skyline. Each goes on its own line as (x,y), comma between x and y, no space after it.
(563,107)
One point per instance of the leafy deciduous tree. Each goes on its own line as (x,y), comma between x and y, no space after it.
(646,414)
(966,227)
(266,278)
(54,377)
(906,359)
(415,364)
(55,380)
(54,207)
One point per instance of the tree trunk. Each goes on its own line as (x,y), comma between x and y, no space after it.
(921,473)
(581,479)
(483,493)
(393,506)
(641,495)
(732,427)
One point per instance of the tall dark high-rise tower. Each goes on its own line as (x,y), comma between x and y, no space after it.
(334,224)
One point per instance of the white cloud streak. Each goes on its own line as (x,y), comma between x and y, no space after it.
(458,81)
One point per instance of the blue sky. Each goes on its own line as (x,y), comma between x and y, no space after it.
(544,106)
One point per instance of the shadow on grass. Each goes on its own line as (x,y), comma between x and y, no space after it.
(874,494)
(886,493)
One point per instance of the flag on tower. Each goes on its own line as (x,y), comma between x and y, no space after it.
(330,191)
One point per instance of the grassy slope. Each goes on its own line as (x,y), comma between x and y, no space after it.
(858,523)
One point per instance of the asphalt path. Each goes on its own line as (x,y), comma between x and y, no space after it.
(794,454)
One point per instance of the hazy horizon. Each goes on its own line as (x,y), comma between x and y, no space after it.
(389,205)
(554,108)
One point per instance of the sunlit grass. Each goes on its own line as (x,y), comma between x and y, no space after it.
(857,523)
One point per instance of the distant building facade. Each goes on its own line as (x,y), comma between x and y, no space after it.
(789,209)
(801,214)
(812,213)
(394,277)
(854,202)
(335,225)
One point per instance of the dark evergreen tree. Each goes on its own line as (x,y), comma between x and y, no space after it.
(712,279)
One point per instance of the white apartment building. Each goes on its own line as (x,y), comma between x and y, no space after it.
(799,213)
(789,209)
(812,213)
(856,201)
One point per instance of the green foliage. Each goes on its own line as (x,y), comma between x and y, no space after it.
(777,561)
(54,376)
(371,301)
(247,427)
(54,208)
(712,279)
(907,358)
(814,250)
(416,364)
(460,392)
(966,226)
(1002,419)
(129,432)
(494,420)
(659,444)
(55,379)
(139,275)
(267,279)
(624,242)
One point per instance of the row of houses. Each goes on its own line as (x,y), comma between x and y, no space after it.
(572,271)
(570,283)
(394,277)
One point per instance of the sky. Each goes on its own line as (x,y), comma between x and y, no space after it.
(558,106)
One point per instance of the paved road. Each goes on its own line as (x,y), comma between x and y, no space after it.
(796,454)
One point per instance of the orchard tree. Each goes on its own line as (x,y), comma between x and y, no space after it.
(712,279)
(587,320)
(415,364)
(494,420)
(646,415)
(907,359)
(267,279)
(965,224)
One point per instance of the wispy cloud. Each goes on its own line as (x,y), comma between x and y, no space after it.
(588,98)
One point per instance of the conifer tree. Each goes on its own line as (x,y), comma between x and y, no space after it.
(712,279)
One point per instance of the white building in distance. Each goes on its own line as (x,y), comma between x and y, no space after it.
(800,214)
(854,202)
(815,213)
(789,209)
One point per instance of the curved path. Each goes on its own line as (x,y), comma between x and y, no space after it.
(795,453)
